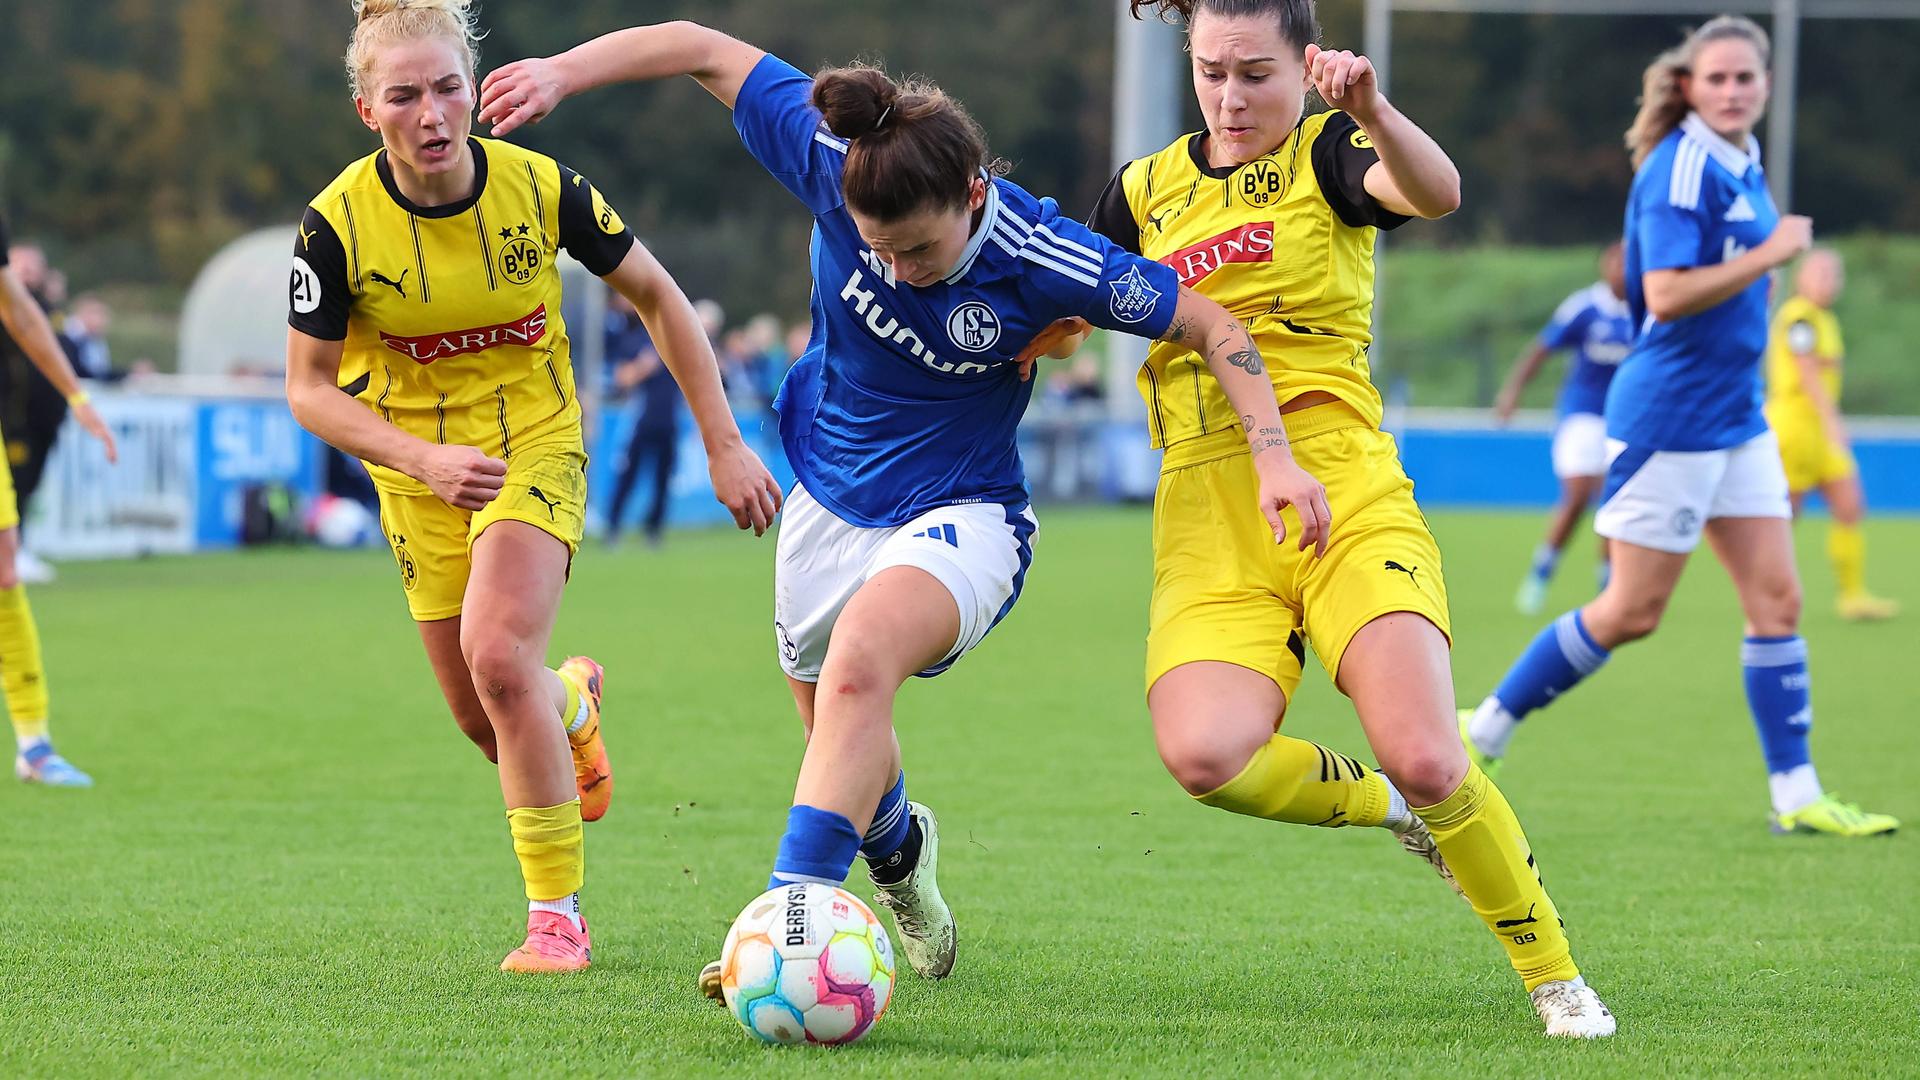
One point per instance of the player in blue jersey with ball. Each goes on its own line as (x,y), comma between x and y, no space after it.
(1689,451)
(1596,328)
(908,534)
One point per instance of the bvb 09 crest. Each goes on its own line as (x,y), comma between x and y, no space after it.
(519,257)
(1259,183)
(409,573)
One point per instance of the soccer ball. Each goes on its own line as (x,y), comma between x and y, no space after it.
(341,523)
(807,963)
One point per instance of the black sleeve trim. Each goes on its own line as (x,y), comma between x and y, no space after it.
(1113,218)
(581,231)
(317,292)
(3,242)
(1340,163)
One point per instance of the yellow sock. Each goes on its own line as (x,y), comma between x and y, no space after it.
(548,841)
(572,708)
(1847,547)
(22,680)
(1478,835)
(1304,783)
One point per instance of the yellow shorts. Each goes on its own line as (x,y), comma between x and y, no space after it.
(1223,590)
(1811,459)
(9,503)
(433,541)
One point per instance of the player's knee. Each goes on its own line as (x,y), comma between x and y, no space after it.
(488,748)
(1777,611)
(499,664)
(1640,621)
(857,672)
(1614,624)
(1199,764)
(1425,777)
(479,731)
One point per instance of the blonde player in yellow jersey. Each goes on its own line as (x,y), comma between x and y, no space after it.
(426,339)
(1272,213)
(22,679)
(1803,409)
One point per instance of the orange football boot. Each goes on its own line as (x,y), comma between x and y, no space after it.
(592,771)
(552,945)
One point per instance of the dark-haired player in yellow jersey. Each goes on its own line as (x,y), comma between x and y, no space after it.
(1273,214)
(22,679)
(1803,409)
(426,339)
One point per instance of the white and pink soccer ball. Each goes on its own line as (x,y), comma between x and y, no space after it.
(807,963)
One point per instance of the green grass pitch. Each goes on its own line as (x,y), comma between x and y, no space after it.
(294,864)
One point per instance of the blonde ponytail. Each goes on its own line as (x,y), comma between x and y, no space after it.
(382,22)
(1663,100)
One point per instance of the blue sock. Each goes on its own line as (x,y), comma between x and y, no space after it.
(1546,559)
(890,824)
(1558,658)
(1780,697)
(819,845)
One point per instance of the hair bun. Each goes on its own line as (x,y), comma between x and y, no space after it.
(373,9)
(855,101)
(381,22)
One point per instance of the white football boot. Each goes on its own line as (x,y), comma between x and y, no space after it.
(1572,1010)
(927,935)
(1416,839)
(31,569)
(1531,597)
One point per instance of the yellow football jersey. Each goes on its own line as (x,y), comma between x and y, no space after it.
(1284,242)
(451,314)
(1802,326)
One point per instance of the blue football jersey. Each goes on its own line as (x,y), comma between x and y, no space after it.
(1694,383)
(907,398)
(1595,325)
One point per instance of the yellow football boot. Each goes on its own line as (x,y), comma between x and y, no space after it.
(1865,607)
(1488,763)
(1829,816)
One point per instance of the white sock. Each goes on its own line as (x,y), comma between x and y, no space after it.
(1793,789)
(1491,727)
(579,717)
(1399,818)
(28,742)
(568,905)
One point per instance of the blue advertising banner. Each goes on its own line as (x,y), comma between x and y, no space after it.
(242,443)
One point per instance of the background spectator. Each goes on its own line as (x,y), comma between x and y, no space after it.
(638,372)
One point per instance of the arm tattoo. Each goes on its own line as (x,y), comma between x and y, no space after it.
(1177,332)
(1249,359)
(1247,356)
(1246,421)
(1268,438)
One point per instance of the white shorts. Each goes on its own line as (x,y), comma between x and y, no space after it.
(979,551)
(1660,498)
(1580,445)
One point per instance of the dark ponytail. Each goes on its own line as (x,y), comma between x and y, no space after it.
(1299,25)
(910,146)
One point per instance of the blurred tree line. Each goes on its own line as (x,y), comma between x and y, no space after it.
(138,136)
